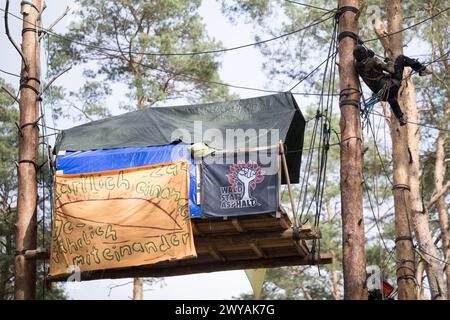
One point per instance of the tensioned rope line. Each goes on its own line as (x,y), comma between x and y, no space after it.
(119,50)
(48,127)
(225,84)
(378,152)
(325,134)
(222,83)
(236,86)
(390,252)
(420,250)
(412,122)
(330,56)
(10,73)
(311,6)
(409,27)
(374,217)
(321,123)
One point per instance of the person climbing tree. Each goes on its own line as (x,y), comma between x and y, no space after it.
(385,78)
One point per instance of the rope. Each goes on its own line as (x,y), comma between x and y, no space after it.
(311,6)
(410,27)
(10,73)
(119,50)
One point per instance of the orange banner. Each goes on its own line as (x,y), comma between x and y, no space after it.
(121,218)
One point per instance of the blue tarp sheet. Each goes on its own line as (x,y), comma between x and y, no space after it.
(114,159)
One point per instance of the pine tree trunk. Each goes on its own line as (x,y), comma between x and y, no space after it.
(400,156)
(353,236)
(419,279)
(138,289)
(26,229)
(427,248)
(439,176)
(438,45)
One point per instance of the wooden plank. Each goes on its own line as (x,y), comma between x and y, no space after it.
(183,267)
(237,225)
(258,251)
(283,223)
(195,230)
(231,230)
(307,233)
(215,253)
(299,249)
(243,150)
(203,248)
(38,254)
(288,182)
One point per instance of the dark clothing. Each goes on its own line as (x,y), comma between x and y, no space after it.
(403,61)
(374,72)
(379,75)
(391,97)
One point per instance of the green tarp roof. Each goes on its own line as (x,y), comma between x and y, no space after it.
(190,124)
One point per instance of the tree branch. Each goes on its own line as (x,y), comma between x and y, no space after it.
(438,195)
(116,34)
(50,27)
(10,94)
(117,286)
(49,83)
(71,104)
(11,39)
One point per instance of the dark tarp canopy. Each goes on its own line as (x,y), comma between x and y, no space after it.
(197,123)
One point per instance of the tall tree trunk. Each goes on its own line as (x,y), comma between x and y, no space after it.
(400,156)
(334,274)
(138,289)
(305,291)
(138,283)
(26,230)
(438,44)
(440,164)
(353,237)
(439,176)
(419,214)
(419,279)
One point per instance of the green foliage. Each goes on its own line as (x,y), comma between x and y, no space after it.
(132,29)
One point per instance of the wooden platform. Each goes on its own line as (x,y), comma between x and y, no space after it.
(262,241)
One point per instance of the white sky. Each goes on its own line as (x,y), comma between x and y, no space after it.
(242,67)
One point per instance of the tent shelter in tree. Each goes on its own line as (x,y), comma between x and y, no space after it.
(179,190)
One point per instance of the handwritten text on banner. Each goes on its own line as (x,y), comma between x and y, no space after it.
(121,218)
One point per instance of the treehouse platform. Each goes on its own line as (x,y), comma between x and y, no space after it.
(243,242)
(151,194)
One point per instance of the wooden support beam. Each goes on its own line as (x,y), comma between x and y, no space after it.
(288,182)
(307,233)
(38,254)
(183,268)
(283,218)
(302,251)
(237,225)
(215,253)
(195,230)
(258,251)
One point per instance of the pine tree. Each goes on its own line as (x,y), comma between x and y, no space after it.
(9,115)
